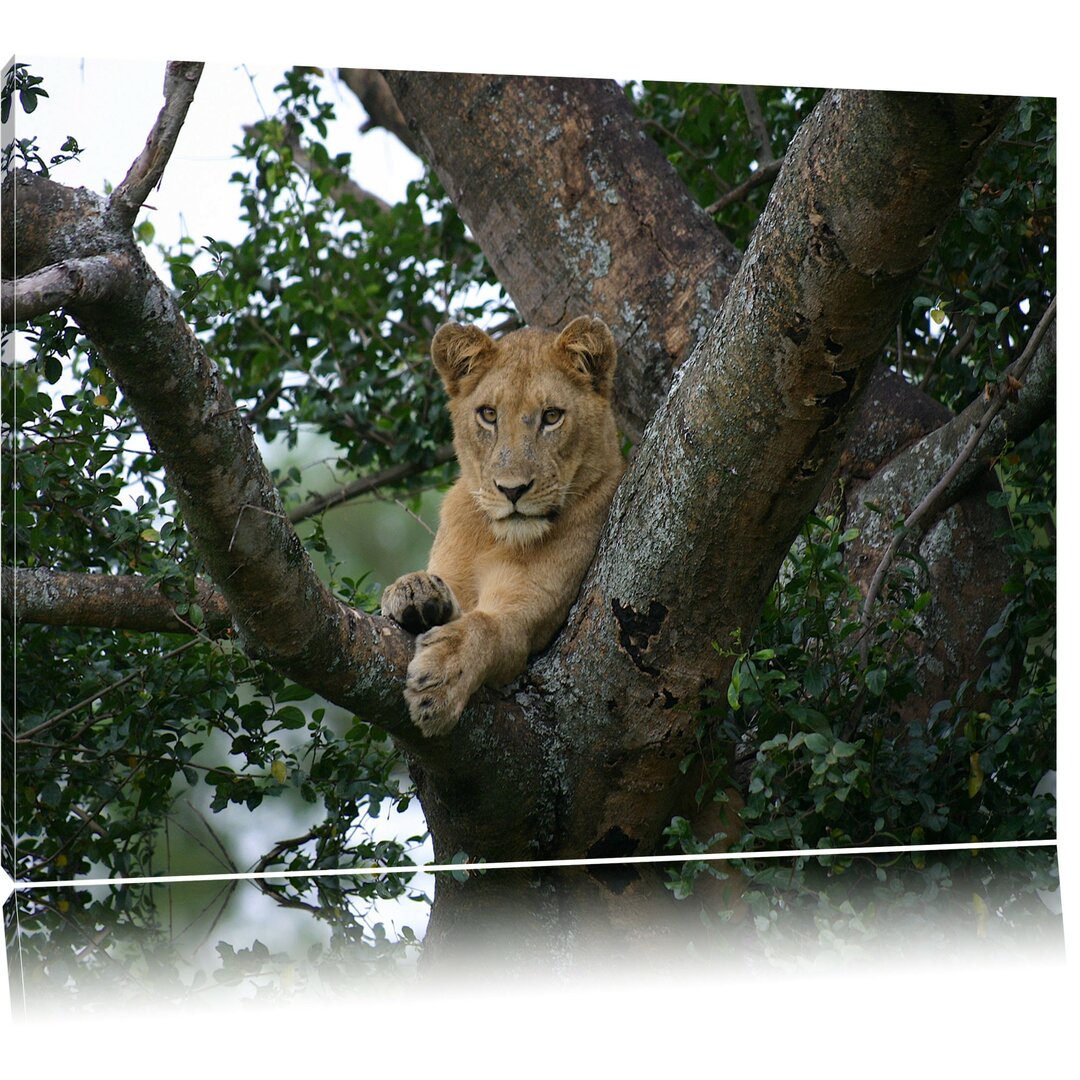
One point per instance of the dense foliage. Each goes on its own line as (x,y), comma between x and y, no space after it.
(320,322)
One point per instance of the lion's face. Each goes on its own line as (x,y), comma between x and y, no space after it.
(527,411)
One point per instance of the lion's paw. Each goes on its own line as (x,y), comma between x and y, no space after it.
(436,686)
(419,601)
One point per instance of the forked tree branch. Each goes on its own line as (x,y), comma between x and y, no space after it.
(734,459)
(578,212)
(741,449)
(281,610)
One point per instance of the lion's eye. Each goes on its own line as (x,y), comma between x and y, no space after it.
(486,415)
(552,418)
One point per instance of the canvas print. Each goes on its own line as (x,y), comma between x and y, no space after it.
(495,517)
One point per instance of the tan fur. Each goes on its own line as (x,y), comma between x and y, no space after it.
(530,411)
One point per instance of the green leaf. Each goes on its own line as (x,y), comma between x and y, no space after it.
(814,680)
(875,680)
(290,717)
(28,98)
(50,794)
(975,775)
(733,695)
(844,749)
(293,692)
(54,370)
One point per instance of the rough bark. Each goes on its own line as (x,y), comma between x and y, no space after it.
(89,280)
(181,80)
(901,484)
(512,138)
(128,602)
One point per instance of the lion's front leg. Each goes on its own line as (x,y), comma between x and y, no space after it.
(452,662)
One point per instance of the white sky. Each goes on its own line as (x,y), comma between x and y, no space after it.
(985,47)
(110,106)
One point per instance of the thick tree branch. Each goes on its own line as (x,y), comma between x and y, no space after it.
(281,610)
(45,213)
(88,280)
(59,598)
(181,80)
(577,212)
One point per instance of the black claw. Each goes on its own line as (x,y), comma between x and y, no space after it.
(436,612)
(412,620)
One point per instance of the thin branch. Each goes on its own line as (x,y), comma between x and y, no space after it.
(957,350)
(757,125)
(416,517)
(691,151)
(94,825)
(935,500)
(758,177)
(86,280)
(364,485)
(181,79)
(24,736)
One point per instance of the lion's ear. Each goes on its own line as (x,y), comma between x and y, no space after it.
(455,349)
(592,351)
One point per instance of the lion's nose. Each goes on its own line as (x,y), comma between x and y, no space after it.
(514,493)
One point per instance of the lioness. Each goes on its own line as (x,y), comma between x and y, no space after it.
(540,461)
